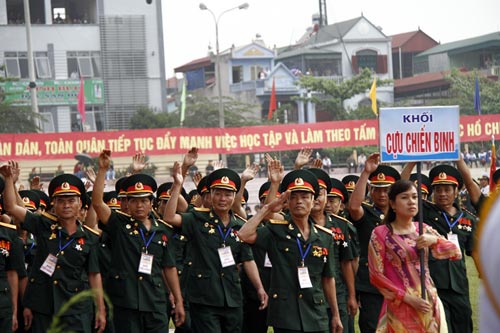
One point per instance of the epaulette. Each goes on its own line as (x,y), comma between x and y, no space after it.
(122,213)
(367,203)
(241,218)
(341,218)
(284,222)
(6,225)
(50,216)
(328,231)
(95,232)
(156,214)
(201,209)
(165,223)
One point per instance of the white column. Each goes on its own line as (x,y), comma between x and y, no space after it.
(48,12)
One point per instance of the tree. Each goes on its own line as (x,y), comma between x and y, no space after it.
(17,119)
(331,94)
(201,112)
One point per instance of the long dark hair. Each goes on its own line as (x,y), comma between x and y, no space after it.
(398,187)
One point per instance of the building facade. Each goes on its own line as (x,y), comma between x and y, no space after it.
(114,46)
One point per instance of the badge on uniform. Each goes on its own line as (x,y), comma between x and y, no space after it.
(226,256)
(304,279)
(49,265)
(146,263)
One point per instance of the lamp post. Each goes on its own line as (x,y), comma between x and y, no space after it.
(217,63)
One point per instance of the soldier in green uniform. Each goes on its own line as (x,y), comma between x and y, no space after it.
(11,261)
(66,251)
(446,216)
(141,257)
(302,255)
(215,296)
(365,218)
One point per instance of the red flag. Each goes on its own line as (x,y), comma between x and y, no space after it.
(272,103)
(493,167)
(81,100)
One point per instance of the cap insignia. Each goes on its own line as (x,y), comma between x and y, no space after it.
(26,200)
(139,186)
(65,186)
(442,175)
(299,181)
(114,201)
(381,176)
(224,180)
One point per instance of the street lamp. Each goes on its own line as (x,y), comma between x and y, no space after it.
(217,62)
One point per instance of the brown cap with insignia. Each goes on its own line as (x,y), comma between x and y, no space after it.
(300,180)
(66,184)
(445,175)
(224,178)
(383,176)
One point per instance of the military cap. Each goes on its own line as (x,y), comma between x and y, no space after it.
(119,189)
(300,180)
(202,187)
(2,185)
(264,190)
(66,184)
(111,199)
(323,179)
(44,199)
(244,198)
(31,199)
(383,176)
(349,182)
(446,175)
(224,178)
(140,185)
(86,200)
(338,190)
(163,192)
(192,195)
(426,183)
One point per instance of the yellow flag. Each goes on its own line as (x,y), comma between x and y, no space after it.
(373,96)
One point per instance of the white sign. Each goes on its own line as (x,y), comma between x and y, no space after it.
(419,134)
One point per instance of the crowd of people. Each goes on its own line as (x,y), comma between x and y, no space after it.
(317,251)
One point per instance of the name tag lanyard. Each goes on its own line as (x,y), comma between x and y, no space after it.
(303,254)
(451,225)
(224,235)
(62,247)
(146,243)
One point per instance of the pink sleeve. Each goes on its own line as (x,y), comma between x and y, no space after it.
(443,249)
(376,264)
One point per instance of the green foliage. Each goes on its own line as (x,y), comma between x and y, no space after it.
(17,119)
(462,93)
(57,327)
(147,117)
(330,94)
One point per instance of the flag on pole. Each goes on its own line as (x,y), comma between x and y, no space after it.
(183,101)
(477,98)
(272,102)
(373,96)
(81,100)
(493,165)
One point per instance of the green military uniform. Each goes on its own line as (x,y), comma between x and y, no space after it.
(77,255)
(369,297)
(342,250)
(11,258)
(290,307)
(137,294)
(450,276)
(214,290)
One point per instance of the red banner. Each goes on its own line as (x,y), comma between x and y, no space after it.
(350,133)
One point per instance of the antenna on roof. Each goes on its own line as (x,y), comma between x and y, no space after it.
(323,19)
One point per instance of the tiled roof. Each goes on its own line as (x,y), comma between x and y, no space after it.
(401,39)
(461,44)
(195,64)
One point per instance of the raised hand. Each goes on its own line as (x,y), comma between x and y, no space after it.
(90,174)
(317,163)
(104,160)
(35,183)
(197,178)
(303,158)
(250,172)
(219,165)
(275,171)
(190,158)
(372,162)
(177,173)
(16,170)
(138,162)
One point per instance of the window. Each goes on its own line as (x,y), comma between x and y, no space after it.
(42,65)
(367,59)
(15,12)
(16,64)
(237,74)
(73,11)
(257,73)
(84,64)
